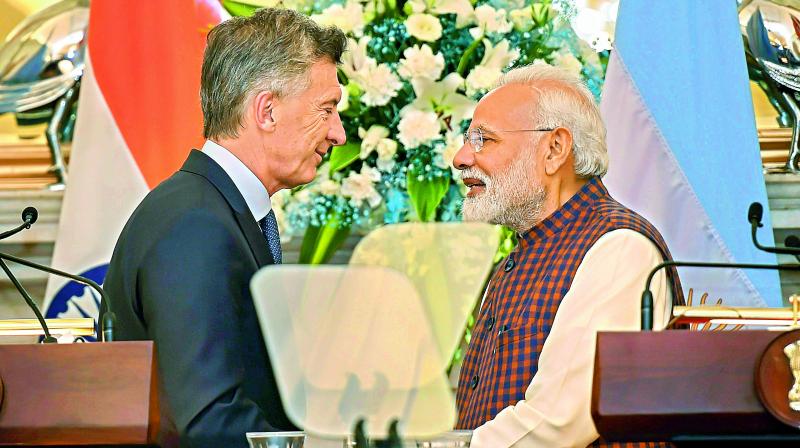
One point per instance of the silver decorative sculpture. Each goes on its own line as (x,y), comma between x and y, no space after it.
(41,63)
(771,31)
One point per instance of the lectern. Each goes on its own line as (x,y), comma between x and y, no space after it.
(79,394)
(699,388)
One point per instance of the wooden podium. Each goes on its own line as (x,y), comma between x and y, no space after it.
(79,394)
(690,387)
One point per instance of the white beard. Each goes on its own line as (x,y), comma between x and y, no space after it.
(514,198)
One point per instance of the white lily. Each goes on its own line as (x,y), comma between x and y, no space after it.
(442,97)
(499,56)
(355,57)
(490,20)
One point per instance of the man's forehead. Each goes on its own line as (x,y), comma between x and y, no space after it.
(508,104)
(324,80)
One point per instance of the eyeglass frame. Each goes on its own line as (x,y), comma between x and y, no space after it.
(479,133)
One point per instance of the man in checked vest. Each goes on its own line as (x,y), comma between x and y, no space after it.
(532,160)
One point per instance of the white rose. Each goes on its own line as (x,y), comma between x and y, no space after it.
(417,127)
(378,82)
(490,20)
(420,62)
(348,18)
(360,187)
(424,27)
(482,78)
(371,138)
(568,62)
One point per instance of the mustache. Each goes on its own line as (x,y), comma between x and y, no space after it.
(475,173)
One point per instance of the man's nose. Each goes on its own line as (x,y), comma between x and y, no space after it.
(465,157)
(336,133)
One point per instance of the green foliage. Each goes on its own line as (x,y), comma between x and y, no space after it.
(343,156)
(426,195)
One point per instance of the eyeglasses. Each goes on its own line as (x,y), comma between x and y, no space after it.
(475,136)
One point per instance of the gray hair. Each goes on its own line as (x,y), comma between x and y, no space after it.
(572,107)
(272,50)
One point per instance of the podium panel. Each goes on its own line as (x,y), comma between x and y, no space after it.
(682,385)
(79,394)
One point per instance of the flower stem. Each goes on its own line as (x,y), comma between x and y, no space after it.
(462,63)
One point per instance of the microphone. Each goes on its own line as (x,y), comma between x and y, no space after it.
(29,216)
(754,215)
(647,295)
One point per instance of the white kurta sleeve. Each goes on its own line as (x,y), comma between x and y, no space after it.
(605,295)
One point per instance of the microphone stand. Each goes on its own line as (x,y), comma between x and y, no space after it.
(108,318)
(48,339)
(647,295)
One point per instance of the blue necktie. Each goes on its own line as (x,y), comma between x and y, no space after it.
(269,227)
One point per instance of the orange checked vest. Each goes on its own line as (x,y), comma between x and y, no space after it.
(524,294)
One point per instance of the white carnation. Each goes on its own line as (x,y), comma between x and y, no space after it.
(371,138)
(328,187)
(378,82)
(420,62)
(465,13)
(424,27)
(360,187)
(348,18)
(417,127)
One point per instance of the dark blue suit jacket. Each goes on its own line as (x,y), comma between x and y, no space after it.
(180,276)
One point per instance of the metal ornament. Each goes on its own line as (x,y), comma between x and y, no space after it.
(771,31)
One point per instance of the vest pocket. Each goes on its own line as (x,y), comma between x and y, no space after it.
(513,335)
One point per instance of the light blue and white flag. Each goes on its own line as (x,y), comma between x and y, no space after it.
(682,140)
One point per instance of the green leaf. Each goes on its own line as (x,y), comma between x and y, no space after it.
(426,195)
(320,243)
(343,156)
(239,8)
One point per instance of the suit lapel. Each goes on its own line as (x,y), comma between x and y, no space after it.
(202,165)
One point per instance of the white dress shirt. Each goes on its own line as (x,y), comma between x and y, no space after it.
(605,295)
(254,192)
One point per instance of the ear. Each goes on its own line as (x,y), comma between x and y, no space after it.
(558,151)
(263,108)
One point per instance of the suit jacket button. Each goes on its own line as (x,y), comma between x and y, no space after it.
(509,265)
(490,323)
(474,383)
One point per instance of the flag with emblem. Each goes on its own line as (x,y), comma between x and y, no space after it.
(138,117)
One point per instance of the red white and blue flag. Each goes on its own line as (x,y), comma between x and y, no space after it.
(138,117)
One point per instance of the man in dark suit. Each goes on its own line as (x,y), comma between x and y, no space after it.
(181,268)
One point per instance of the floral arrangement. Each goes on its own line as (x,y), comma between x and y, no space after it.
(411,78)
